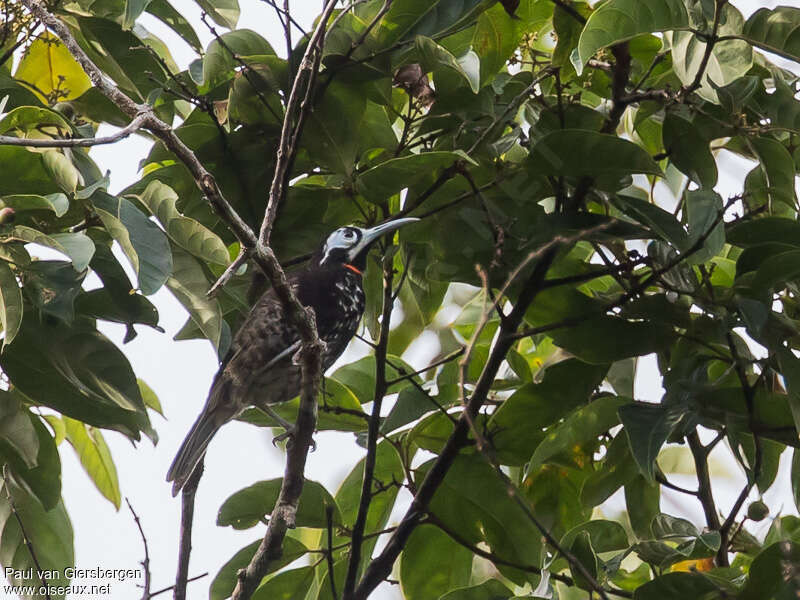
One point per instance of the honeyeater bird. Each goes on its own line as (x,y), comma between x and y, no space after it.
(258,369)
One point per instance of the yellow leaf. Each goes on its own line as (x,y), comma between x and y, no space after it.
(702,564)
(49,66)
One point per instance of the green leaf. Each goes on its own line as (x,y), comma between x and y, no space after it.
(434,57)
(775,30)
(776,270)
(218,64)
(389,177)
(61,169)
(190,235)
(580,426)
(677,586)
(616,470)
(77,246)
(648,426)
(582,550)
(48,65)
(17,431)
(79,373)
(149,397)
(703,210)
(48,531)
(359,376)
(519,422)
(56,203)
(643,501)
(777,167)
(143,242)
(474,501)
(432,564)
(44,479)
(407,18)
(576,152)
(24,120)
(133,8)
(223,12)
(286,585)
(661,222)
(688,150)
(189,285)
(95,457)
(491,589)
(767,572)
(730,59)
(10,303)
(253,504)
(225,581)
(620,20)
(606,536)
(167,14)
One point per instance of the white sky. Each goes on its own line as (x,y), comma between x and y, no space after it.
(181,372)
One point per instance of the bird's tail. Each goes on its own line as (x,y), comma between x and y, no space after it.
(214,415)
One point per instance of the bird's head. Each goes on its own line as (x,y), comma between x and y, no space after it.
(350,245)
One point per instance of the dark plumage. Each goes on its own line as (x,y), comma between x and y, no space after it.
(258,369)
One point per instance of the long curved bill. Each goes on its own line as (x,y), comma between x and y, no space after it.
(373,233)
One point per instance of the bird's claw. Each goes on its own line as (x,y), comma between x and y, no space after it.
(288,435)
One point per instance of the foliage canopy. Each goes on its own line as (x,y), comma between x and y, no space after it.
(563,159)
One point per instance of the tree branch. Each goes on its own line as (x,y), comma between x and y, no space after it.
(146,562)
(132,127)
(712,39)
(381,386)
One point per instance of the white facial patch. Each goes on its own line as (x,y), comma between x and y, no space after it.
(344,238)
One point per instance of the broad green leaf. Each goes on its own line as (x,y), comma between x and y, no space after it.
(79,373)
(578,427)
(382,181)
(10,303)
(56,203)
(606,536)
(575,152)
(48,531)
(223,12)
(643,501)
(474,501)
(775,30)
(133,8)
(167,14)
(583,552)
(95,457)
(776,270)
(434,57)
(767,572)
(61,170)
(219,65)
(286,585)
(225,581)
(17,431)
(519,422)
(730,59)
(647,427)
(620,20)
(359,376)
(689,151)
(143,242)
(408,18)
(189,285)
(48,65)
(777,167)
(190,235)
(78,247)
(754,232)
(677,586)
(491,589)
(432,564)
(25,120)
(663,223)
(703,212)
(617,469)
(254,504)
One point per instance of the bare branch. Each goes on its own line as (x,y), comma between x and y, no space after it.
(146,562)
(306,75)
(329,551)
(372,433)
(172,587)
(244,254)
(134,126)
(712,39)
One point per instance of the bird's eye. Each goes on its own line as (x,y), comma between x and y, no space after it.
(349,235)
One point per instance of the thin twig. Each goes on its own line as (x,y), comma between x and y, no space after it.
(244,254)
(172,587)
(329,553)
(146,562)
(132,127)
(712,40)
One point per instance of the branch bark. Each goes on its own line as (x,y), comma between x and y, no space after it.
(134,126)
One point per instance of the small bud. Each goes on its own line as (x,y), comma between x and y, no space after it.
(757,511)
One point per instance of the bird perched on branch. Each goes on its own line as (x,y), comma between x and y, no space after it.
(258,369)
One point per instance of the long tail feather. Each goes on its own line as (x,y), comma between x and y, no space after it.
(214,415)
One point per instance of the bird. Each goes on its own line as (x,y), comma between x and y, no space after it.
(259,369)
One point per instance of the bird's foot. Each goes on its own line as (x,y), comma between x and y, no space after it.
(289,435)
